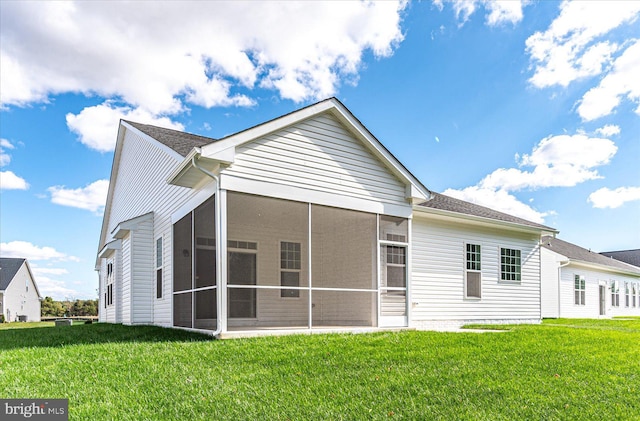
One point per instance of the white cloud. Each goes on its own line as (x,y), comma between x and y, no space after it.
(571,47)
(558,161)
(504,11)
(607,198)
(48,271)
(10,181)
(97,126)
(608,130)
(622,81)
(55,289)
(499,200)
(163,56)
(92,197)
(29,251)
(498,11)
(5,158)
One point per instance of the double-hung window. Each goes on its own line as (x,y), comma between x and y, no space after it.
(290,266)
(578,290)
(626,294)
(635,292)
(473,273)
(510,265)
(615,294)
(108,295)
(159,268)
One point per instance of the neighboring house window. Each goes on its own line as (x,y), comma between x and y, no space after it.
(473,281)
(615,294)
(510,268)
(579,290)
(626,294)
(635,291)
(290,263)
(159,282)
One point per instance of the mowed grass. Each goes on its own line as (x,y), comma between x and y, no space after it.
(562,369)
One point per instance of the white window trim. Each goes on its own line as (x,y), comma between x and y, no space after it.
(581,280)
(160,267)
(466,271)
(299,271)
(508,281)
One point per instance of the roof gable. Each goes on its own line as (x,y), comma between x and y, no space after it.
(579,254)
(9,266)
(222,152)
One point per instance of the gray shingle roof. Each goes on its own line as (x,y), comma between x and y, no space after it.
(180,142)
(578,253)
(9,266)
(447,203)
(628,256)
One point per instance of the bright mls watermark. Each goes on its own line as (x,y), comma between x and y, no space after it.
(34,409)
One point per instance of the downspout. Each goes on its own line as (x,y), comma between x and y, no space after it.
(218,227)
(567,263)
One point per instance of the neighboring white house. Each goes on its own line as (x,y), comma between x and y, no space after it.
(304,222)
(579,283)
(19,295)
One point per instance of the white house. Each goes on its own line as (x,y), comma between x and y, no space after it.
(305,222)
(19,295)
(577,282)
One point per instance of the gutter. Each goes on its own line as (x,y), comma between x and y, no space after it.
(218,228)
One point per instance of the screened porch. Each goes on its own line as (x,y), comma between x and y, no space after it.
(289,265)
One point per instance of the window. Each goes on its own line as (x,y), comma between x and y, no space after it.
(108,298)
(615,294)
(473,274)
(510,264)
(626,294)
(159,268)
(396,266)
(634,291)
(290,263)
(579,290)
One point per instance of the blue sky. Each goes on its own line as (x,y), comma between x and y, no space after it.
(532,108)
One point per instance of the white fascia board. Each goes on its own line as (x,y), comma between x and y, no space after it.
(183,167)
(186,175)
(123,228)
(421,211)
(109,248)
(604,268)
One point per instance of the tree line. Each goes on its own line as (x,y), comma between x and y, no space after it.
(69,308)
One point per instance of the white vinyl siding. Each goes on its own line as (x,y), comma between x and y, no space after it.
(140,188)
(320,159)
(438,273)
(142,277)
(549,279)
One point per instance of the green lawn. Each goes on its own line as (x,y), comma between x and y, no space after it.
(562,369)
